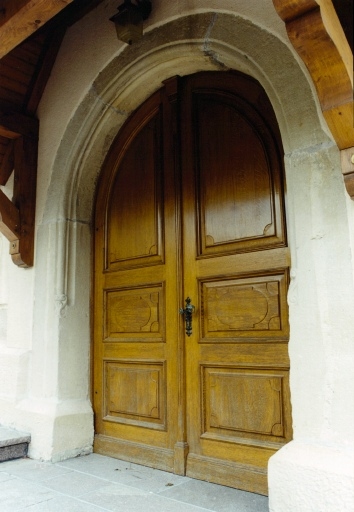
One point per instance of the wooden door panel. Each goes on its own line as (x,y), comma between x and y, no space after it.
(135,213)
(244,404)
(237,360)
(135,351)
(269,354)
(238,193)
(135,314)
(135,392)
(244,307)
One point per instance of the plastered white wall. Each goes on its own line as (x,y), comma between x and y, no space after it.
(16,310)
(95,84)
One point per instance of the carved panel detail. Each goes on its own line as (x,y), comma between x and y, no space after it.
(243,402)
(238,174)
(247,306)
(135,392)
(135,212)
(134,314)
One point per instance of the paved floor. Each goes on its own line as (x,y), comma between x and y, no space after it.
(95,483)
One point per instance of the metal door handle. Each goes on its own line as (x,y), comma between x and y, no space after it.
(187,312)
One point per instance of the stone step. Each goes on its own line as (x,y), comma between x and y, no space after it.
(13,444)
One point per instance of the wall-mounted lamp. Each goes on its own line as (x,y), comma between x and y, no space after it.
(129,20)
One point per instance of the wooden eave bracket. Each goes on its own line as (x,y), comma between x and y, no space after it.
(17,217)
(315,32)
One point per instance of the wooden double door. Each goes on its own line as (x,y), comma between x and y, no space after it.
(190,205)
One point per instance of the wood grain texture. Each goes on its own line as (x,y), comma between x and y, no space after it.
(316,34)
(245,189)
(244,307)
(225,391)
(25,181)
(14,124)
(239,476)
(9,218)
(140,453)
(145,404)
(135,391)
(229,183)
(21,157)
(7,163)
(136,240)
(134,314)
(20,18)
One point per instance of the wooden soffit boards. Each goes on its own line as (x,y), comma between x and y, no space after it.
(316,33)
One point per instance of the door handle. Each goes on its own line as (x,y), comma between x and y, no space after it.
(187,312)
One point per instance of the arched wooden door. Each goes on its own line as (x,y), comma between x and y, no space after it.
(190,204)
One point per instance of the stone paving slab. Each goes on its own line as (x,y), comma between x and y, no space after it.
(123,472)
(95,483)
(18,495)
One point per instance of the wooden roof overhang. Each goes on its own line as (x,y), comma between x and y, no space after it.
(31,32)
(316,30)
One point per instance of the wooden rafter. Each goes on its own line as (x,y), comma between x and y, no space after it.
(7,164)
(20,18)
(9,218)
(17,216)
(316,34)
(21,87)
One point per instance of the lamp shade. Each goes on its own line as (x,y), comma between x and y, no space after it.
(128,22)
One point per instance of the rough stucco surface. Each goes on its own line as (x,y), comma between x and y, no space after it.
(311,478)
(94,86)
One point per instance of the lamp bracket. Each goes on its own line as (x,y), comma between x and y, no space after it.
(145,8)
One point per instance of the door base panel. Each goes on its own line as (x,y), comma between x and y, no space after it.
(152,456)
(240,476)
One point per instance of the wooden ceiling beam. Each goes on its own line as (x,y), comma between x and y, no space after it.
(316,34)
(9,218)
(20,18)
(14,124)
(46,21)
(17,216)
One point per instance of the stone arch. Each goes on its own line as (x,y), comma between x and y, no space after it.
(204,41)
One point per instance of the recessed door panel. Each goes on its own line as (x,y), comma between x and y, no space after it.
(244,403)
(243,307)
(135,393)
(135,314)
(137,239)
(237,191)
